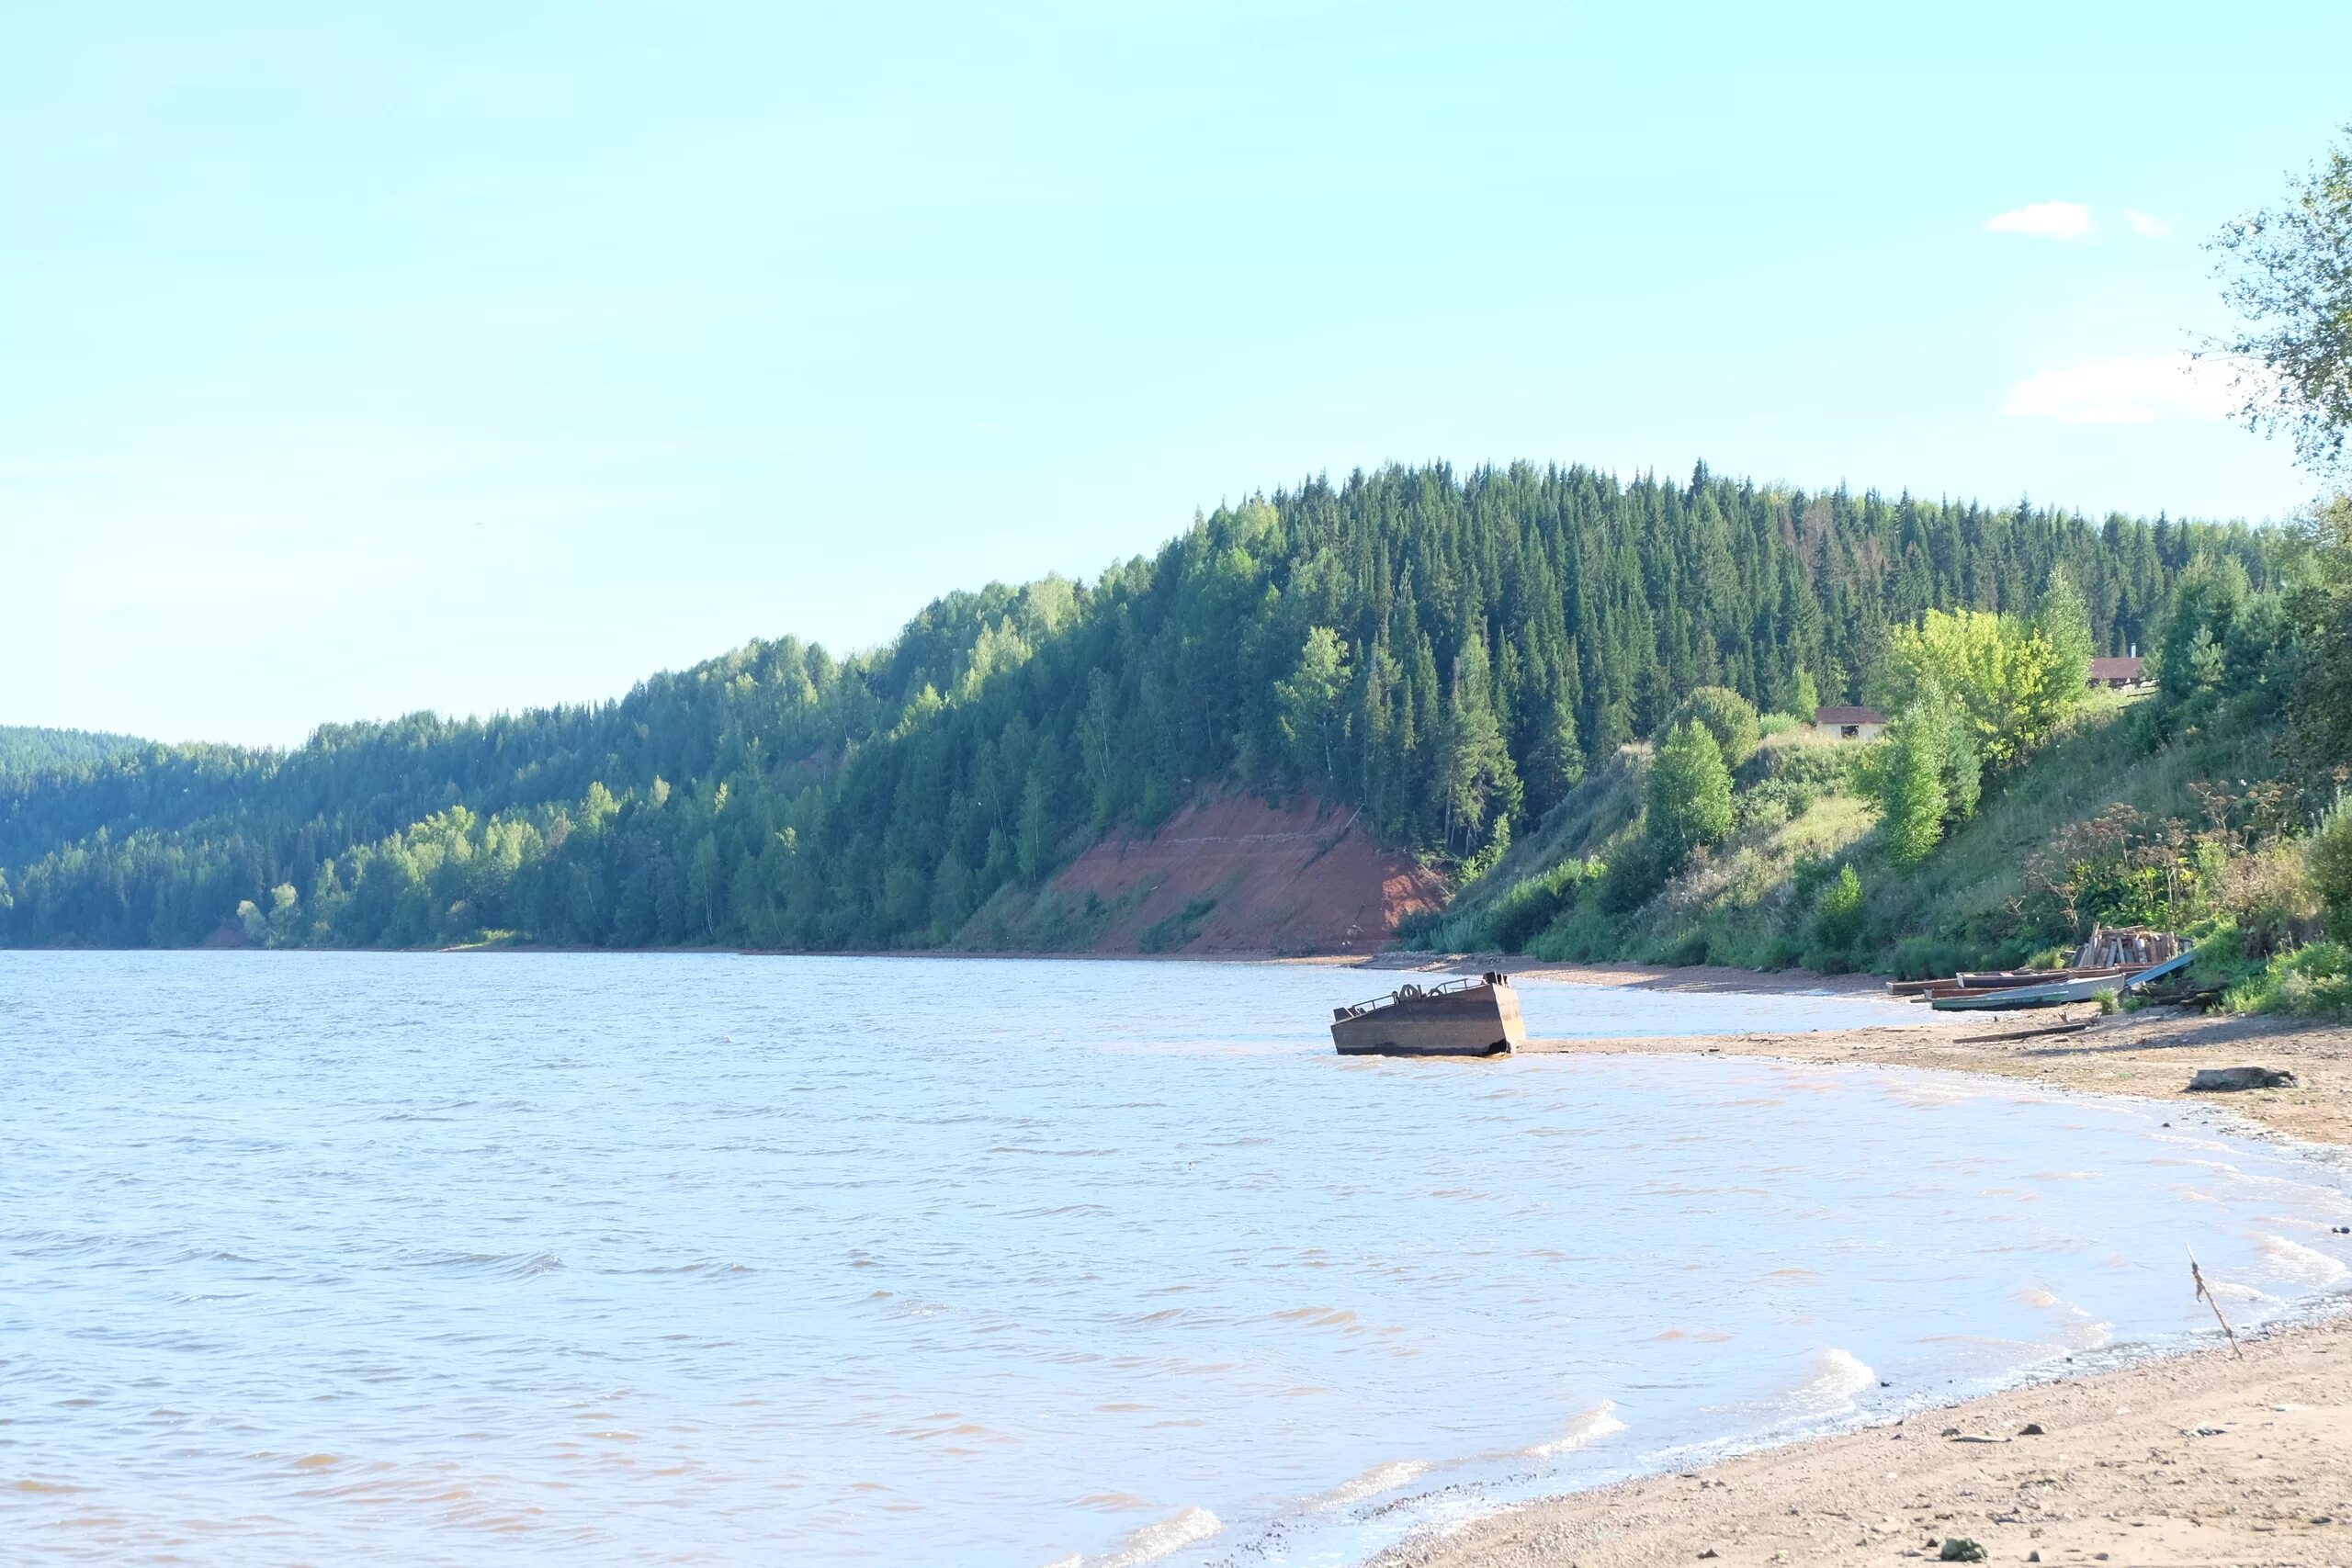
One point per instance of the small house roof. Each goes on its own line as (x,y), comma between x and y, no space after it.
(1847,716)
(2117,669)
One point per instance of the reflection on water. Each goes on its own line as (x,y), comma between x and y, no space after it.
(702,1258)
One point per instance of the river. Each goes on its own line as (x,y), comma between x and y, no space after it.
(706,1258)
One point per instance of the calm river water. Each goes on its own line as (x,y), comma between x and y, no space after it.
(463,1258)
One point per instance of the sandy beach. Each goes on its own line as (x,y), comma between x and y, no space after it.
(2208,1458)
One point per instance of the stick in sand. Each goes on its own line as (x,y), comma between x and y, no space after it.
(2207,1297)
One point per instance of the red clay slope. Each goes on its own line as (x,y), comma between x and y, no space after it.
(1301,879)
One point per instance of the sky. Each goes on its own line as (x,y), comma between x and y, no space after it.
(476,358)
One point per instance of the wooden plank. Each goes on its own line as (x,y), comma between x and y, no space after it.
(2025,1033)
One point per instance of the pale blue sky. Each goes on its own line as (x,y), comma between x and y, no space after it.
(472,357)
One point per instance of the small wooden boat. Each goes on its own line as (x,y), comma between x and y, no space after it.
(1460,1018)
(2056,993)
(2002,979)
(1977,980)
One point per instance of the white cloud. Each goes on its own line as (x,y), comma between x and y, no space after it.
(2143,223)
(2054,219)
(2129,391)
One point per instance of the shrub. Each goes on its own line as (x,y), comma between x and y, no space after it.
(1688,792)
(1770,804)
(1582,933)
(2271,899)
(2314,979)
(1632,878)
(2329,857)
(1415,929)
(1927,957)
(1729,717)
(1838,921)
(1827,769)
(1534,902)
(1688,949)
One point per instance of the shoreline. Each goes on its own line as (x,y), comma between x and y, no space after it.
(2192,1455)
(2199,1456)
(2148,1055)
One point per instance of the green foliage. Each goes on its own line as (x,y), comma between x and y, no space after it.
(1838,922)
(1511,919)
(1924,775)
(29,749)
(2063,620)
(1632,876)
(2193,658)
(1911,796)
(1728,717)
(2269,896)
(2329,857)
(2320,611)
(1534,902)
(2015,679)
(1313,720)
(2316,979)
(1689,794)
(1487,642)
(2292,284)
(1479,777)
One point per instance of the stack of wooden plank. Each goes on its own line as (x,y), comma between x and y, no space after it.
(2133,947)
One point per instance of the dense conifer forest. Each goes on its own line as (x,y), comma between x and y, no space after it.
(25,749)
(1449,651)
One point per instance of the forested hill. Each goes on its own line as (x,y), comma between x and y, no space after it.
(1443,650)
(29,749)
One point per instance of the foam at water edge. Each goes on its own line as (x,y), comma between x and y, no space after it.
(1187,1527)
(1839,1378)
(1595,1424)
(1372,1483)
(2304,1265)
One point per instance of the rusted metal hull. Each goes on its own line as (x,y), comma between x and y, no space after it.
(1480,1020)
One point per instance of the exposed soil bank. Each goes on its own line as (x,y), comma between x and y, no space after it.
(1233,875)
(2118,1475)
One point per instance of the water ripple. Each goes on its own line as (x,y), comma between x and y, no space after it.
(632,1260)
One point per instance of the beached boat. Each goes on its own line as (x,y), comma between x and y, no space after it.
(1460,1018)
(2057,993)
(2002,979)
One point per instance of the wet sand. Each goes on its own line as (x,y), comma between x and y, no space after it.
(2151,1054)
(2193,1460)
(2201,1458)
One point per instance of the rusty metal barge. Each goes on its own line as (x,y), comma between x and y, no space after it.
(1460,1018)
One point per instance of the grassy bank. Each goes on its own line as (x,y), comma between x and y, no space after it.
(2120,818)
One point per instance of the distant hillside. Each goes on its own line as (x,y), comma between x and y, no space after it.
(1986,898)
(25,749)
(1439,654)
(2171,807)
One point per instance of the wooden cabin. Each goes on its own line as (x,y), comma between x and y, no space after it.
(1849,724)
(2116,674)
